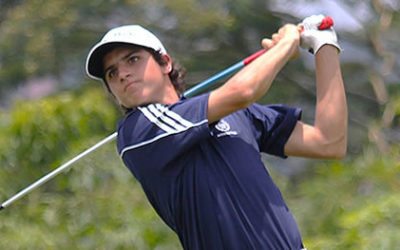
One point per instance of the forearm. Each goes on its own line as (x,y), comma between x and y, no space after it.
(256,78)
(252,82)
(331,108)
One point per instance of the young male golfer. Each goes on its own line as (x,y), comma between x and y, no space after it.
(198,159)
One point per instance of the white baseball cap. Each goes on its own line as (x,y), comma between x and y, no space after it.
(129,34)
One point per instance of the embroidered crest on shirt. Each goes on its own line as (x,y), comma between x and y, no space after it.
(225,129)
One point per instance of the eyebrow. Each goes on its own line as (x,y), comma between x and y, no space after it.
(121,59)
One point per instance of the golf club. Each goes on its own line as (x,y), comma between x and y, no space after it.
(326,24)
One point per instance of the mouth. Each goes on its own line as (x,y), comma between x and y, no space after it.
(128,85)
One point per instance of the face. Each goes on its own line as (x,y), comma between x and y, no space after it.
(135,78)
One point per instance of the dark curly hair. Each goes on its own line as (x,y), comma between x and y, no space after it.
(177,74)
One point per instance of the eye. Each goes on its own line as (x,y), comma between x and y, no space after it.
(133,59)
(111,73)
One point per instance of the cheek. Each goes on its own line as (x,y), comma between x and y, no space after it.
(153,71)
(114,92)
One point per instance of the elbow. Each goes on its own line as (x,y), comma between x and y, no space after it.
(248,96)
(339,153)
(336,150)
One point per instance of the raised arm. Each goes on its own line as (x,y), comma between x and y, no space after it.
(253,81)
(327,137)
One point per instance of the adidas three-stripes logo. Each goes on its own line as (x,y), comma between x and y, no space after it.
(167,120)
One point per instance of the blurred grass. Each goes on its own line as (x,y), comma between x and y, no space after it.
(102,207)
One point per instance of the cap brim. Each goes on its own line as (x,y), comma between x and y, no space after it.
(94,64)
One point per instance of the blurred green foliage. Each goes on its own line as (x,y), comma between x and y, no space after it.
(39,134)
(352,205)
(96,205)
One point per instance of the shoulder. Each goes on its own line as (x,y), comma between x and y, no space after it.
(154,121)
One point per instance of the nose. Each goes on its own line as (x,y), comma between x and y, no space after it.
(123,72)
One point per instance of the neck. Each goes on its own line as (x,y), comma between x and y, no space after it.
(172,100)
(170,97)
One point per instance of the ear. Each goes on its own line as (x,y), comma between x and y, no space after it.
(167,67)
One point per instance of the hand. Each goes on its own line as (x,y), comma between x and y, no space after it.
(313,38)
(287,32)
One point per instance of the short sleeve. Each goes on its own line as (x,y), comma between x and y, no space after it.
(155,134)
(273,126)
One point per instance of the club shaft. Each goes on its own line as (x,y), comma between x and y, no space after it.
(212,80)
(57,171)
(201,87)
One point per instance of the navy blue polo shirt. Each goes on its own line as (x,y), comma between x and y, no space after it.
(208,182)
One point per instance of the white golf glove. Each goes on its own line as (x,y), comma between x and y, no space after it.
(313,39)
